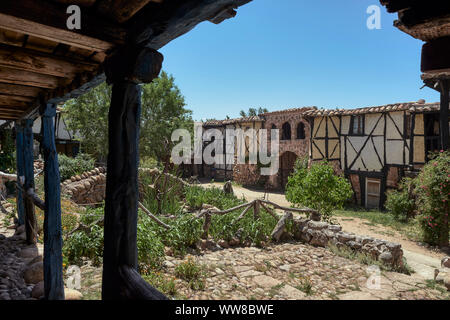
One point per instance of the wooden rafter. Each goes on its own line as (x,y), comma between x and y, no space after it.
(17,90)
(27,78)
(48,21)
(42,63)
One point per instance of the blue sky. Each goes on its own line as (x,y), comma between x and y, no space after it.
(291,53)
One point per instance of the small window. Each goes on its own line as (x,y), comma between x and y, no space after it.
(357,125)
(301,131)
(407,126)
(286,135)
(274,127)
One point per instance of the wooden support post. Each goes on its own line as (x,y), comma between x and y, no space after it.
(20,172)
(444,128)
(206,225)
(125,70)
(28,162)
(256,208)
(53,269)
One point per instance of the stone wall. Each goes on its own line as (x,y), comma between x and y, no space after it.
(246,174)
(323,234)
(87,188)
(298,146)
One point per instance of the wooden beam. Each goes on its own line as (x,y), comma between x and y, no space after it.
(445,89)
(122,194)
(53,269)
(20,172)
(13,97)
(28,159)
(27,78)
(8,117)
(17,90)
(48,21)
(12,101)
(42,63)
(81,3)
(146,25)
(423,12)
(121,10)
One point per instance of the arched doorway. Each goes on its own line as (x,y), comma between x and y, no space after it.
(287,162)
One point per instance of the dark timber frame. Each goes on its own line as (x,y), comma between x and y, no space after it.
(125,70)
(53,269)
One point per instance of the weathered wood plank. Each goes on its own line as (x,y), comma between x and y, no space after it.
(147,28)
(53,269)
(81,3)
(42,63)
(121,10)
(28,159)
(17,90)
(48,21)
(27,78)
(20,171)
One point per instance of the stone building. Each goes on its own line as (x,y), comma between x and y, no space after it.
(374,147)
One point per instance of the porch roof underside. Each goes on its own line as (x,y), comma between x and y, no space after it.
(41,60)
(424,20)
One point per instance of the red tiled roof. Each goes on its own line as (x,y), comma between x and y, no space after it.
(232,121)
(411,106)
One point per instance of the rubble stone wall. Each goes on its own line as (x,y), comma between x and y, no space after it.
(87,188)
(323,234)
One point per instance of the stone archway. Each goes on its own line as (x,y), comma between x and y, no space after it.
(287,162)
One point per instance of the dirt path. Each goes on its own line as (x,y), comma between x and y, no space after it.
(421,259)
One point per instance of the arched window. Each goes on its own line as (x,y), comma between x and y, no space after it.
(286,135)
(274,126)
(301,131)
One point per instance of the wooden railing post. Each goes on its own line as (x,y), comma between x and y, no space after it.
(20,172)
(206,225)
(256,209)
(125,70)
(28,171)
(53,269)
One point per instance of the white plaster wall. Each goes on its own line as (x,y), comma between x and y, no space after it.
(371,121)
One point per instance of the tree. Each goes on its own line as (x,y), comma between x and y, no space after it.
(253,112)
(432,188)
(318,187)
(163,110)
(87,117)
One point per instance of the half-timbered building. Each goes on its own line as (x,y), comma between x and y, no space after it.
(376,146)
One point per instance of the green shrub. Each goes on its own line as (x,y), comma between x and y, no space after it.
(247,229)
(170,202)
(318,188)
(399,203)
(433,196)
(150,248)
(185,232)
(191,272)
(84,244)
(196,196)
(69,167)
